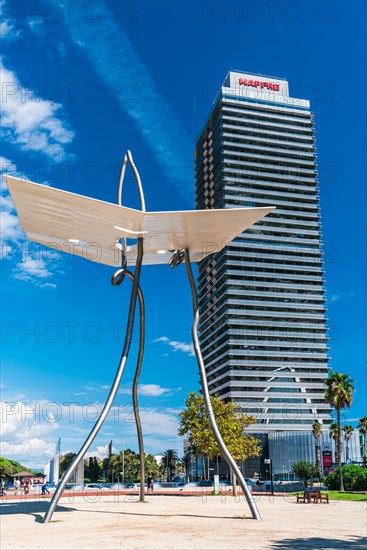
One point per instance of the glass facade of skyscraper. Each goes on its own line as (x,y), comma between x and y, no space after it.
(262,304)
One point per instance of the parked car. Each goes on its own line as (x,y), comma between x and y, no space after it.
(94,486)
(206,483)
(134,486)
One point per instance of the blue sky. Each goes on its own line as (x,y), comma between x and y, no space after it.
(81,86)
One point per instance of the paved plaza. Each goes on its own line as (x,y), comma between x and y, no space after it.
(167,522)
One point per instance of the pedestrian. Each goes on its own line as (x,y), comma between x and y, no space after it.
(44,489)
(150,482)
(2,491)
(16,486)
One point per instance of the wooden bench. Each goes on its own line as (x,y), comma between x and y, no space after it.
(314,496)
(324,498)
(302,497)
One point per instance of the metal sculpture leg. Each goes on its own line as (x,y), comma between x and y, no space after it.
(205,389)
(116,281)
(113,391)
(135,398)
(129,159)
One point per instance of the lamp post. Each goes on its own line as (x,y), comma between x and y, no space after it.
(123,464)
(269,461)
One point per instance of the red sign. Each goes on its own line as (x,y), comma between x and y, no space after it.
(259,84)
(327,459)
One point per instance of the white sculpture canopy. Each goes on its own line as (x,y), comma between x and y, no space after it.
(92,228)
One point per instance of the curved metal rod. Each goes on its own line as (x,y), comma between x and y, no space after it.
(135,397)
(208,405)
(128,158)
(117,279)
(113,391)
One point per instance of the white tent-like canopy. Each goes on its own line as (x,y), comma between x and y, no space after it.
(93,229)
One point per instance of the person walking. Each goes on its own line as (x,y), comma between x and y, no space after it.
(44,489)
(2,488)
(16,486)
(26,487)
(150,482)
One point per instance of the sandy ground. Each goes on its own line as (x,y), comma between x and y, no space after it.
(166,522)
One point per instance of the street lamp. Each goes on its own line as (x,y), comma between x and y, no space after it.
(270,462)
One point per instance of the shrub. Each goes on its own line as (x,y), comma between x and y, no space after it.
(355,478)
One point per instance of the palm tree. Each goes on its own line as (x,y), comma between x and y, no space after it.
(348,431)
(316,432)
(185,462)
(362,427)
(333,432)
(169,462)
(339,394)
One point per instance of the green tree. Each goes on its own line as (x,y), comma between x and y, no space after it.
(348,432)
(93,468)
(169,463)
(333,434)
(106,474)
(9,467)
(129,463)
(231,423)
(304,470)
(316,432)
(362,427)
(333,431)
(354,476)
(65,462)
(339,394)
(6,468)
(186,463)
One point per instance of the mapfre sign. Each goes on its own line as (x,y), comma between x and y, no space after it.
(259,84)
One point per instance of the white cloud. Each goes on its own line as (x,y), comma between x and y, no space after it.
(159,423)
(32,267)
(138,95)
(177,346)
(182,346)
(101,451)
(34,448)
(149,390)
(23,428)
(31,122)
(337,297)
(30,431)
(10,226)
(152,390)
(36,26)
(7,29)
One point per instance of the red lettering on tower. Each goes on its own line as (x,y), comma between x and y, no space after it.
(257,84)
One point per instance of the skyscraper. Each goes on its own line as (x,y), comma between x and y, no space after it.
(262,301)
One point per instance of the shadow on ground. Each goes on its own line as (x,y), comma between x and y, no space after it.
(36,509)
(320,543)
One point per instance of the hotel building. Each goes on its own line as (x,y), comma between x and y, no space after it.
(262,304)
